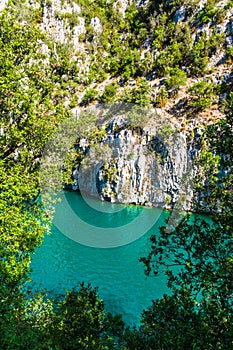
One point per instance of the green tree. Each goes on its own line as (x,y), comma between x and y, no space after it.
(139,95)
(202,89)
(76,320)
(109,93)
(30,109)
(177,79)
(197,259)
(89,96)
(23,225)
(79,321)
(203,95)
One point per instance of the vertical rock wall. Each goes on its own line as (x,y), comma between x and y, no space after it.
(142,169)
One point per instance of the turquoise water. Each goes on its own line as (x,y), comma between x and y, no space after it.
(68,256)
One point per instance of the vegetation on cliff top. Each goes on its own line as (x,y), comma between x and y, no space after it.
(162,51)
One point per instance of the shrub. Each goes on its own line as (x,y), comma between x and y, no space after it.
(202,89)
(89,96)
(177,78)
(161,98)
(201,103)
(203,94)
(109,93)
(139,95)
(229,54)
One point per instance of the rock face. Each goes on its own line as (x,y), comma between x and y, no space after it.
(3,4)
(55,24)
(142,168)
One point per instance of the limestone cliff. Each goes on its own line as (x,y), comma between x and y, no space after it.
(171,56)
(143,166)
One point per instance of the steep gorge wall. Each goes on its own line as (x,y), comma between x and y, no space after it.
(143,168)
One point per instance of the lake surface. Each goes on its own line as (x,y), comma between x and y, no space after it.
(100,243)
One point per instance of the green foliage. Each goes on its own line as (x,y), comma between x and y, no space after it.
(96,135)
(160,31)
(210,13)
(172,43)
(202,89)
(229,4)
(175,43)
(116,49)
(161,98)
(203,95)
(229,54)
(21,230)
(109,93)
(37,76)
(110,172)
(177,79)
(31,107)
(169,57)
(196,256)
(201,103)
(175,322)
(139,95)
(71,19)
(201,51)
(30,110)
(89,96)
(201,287)
(165,131)
(77,320)
(217,187)
(28,325)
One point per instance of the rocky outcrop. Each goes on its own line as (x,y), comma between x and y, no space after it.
(3,4)
(55,24)
(143,167)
